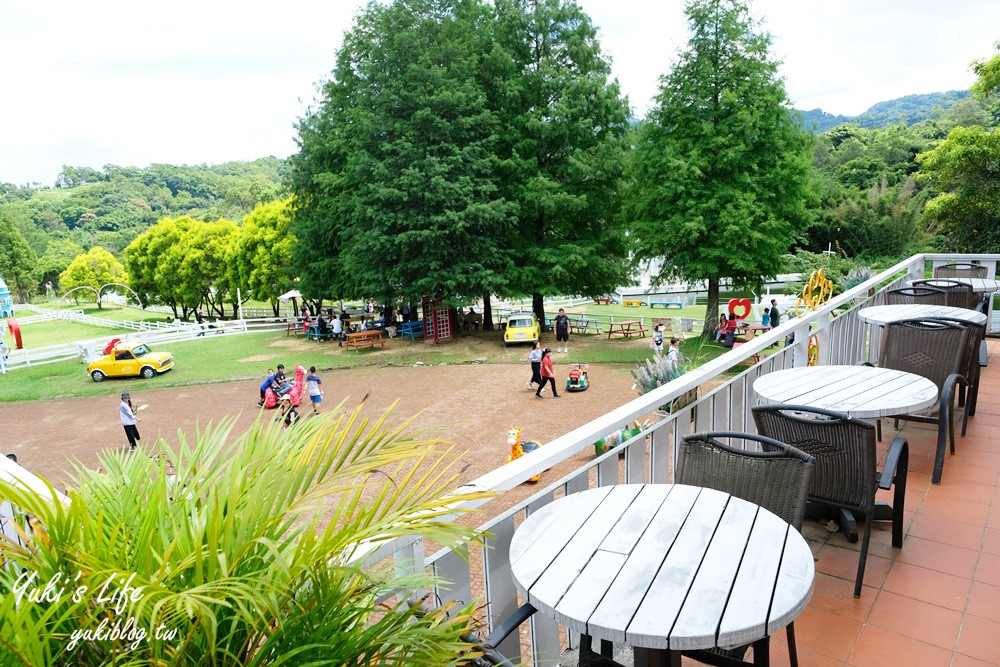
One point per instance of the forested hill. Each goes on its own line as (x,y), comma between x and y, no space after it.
(110,207)
(909,109)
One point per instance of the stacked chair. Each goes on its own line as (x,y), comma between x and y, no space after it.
(910,295)
(959,294)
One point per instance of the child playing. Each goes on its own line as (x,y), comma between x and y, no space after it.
(315,390)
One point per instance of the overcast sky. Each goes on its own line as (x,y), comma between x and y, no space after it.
(131,83)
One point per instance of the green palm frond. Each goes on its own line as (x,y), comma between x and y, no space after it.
(244,548)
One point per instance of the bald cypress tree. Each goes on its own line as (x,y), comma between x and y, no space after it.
(719,171)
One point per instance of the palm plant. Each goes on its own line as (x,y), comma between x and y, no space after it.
(244,551)
(656,372)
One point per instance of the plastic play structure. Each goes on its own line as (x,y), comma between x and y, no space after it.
(294,394)
(519,449)
(577,380)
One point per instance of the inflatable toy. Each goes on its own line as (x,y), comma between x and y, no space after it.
(615,439)
(295,393)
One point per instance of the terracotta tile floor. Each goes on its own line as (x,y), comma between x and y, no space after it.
(935,601)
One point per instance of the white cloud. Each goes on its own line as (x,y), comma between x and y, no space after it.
(188,82)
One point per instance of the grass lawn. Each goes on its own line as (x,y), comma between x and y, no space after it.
(56,332)
(248,356)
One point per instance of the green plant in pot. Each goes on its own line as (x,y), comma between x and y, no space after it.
(653,373)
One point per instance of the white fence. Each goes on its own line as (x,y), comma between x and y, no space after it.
(150,333)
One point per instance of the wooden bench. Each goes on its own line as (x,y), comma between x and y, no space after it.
(602,299)
(361,339)
(412,329)
(581,325)
(631,303)
(666,304)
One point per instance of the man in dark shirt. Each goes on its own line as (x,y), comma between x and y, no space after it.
(561,323)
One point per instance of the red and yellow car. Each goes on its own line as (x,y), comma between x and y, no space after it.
(130,360)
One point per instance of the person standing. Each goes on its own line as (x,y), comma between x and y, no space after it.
(774,314)
(199,317)
(315,389)
(129,421)
(548,374)
(561,323)
(658,340)
(535,357)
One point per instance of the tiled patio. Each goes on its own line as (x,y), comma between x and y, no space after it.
(935,601)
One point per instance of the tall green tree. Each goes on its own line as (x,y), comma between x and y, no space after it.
(720,166)
(260,258)
(17,259)
(395,182)
(562,146)
(96,268)
(965,170)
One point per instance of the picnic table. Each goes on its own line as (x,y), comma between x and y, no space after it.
(360,339)
(602,299)
(666,304)
(582,325)
(626,329)
(312,333)
(412,329)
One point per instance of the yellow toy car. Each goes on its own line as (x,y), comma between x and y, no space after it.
(521,328)
(133,360)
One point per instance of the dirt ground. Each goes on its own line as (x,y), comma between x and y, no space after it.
(472,405)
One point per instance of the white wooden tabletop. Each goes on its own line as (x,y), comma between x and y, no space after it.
(860,391)
(979,285)
(882,315)
(663,566)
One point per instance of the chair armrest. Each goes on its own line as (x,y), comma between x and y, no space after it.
(867,363)
(508,625)
(897,449)
(983,357)
(949,387)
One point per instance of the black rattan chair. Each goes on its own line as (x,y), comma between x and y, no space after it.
(935,349)
(971,364)
(960,295)
(846,475)
(776,478)
(960,271)
(908,295)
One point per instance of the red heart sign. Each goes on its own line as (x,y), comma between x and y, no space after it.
(739,303)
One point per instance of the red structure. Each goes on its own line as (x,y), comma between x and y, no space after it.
(438,322)
(15,332)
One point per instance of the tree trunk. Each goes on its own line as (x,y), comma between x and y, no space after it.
(487,313)
(274,307)
(712,310)
(538,308)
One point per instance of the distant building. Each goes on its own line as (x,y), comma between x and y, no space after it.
(6,304)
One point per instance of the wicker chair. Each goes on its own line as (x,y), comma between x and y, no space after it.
(960,271)
(960,295)
(935,349)
(908,295)
(972,364)
(776,478)
(846,476)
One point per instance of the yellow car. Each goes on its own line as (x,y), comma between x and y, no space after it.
(521,328)
(130,361)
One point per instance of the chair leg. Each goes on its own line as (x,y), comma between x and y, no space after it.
(793,656)
(878,429)
(863,557)
(899,497)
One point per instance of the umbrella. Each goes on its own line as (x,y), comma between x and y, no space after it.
(288,296)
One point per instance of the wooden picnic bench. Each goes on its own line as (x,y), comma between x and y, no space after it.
(602,299)
(626,329)
(631,303)
(582,325)
(666,304)
(360,339)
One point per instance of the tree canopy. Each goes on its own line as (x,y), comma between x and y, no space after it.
(96,268)
(720,166)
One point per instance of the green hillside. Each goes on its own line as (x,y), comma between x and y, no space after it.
(909,109)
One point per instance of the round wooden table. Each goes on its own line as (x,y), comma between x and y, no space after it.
(665,567)
(860,391)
